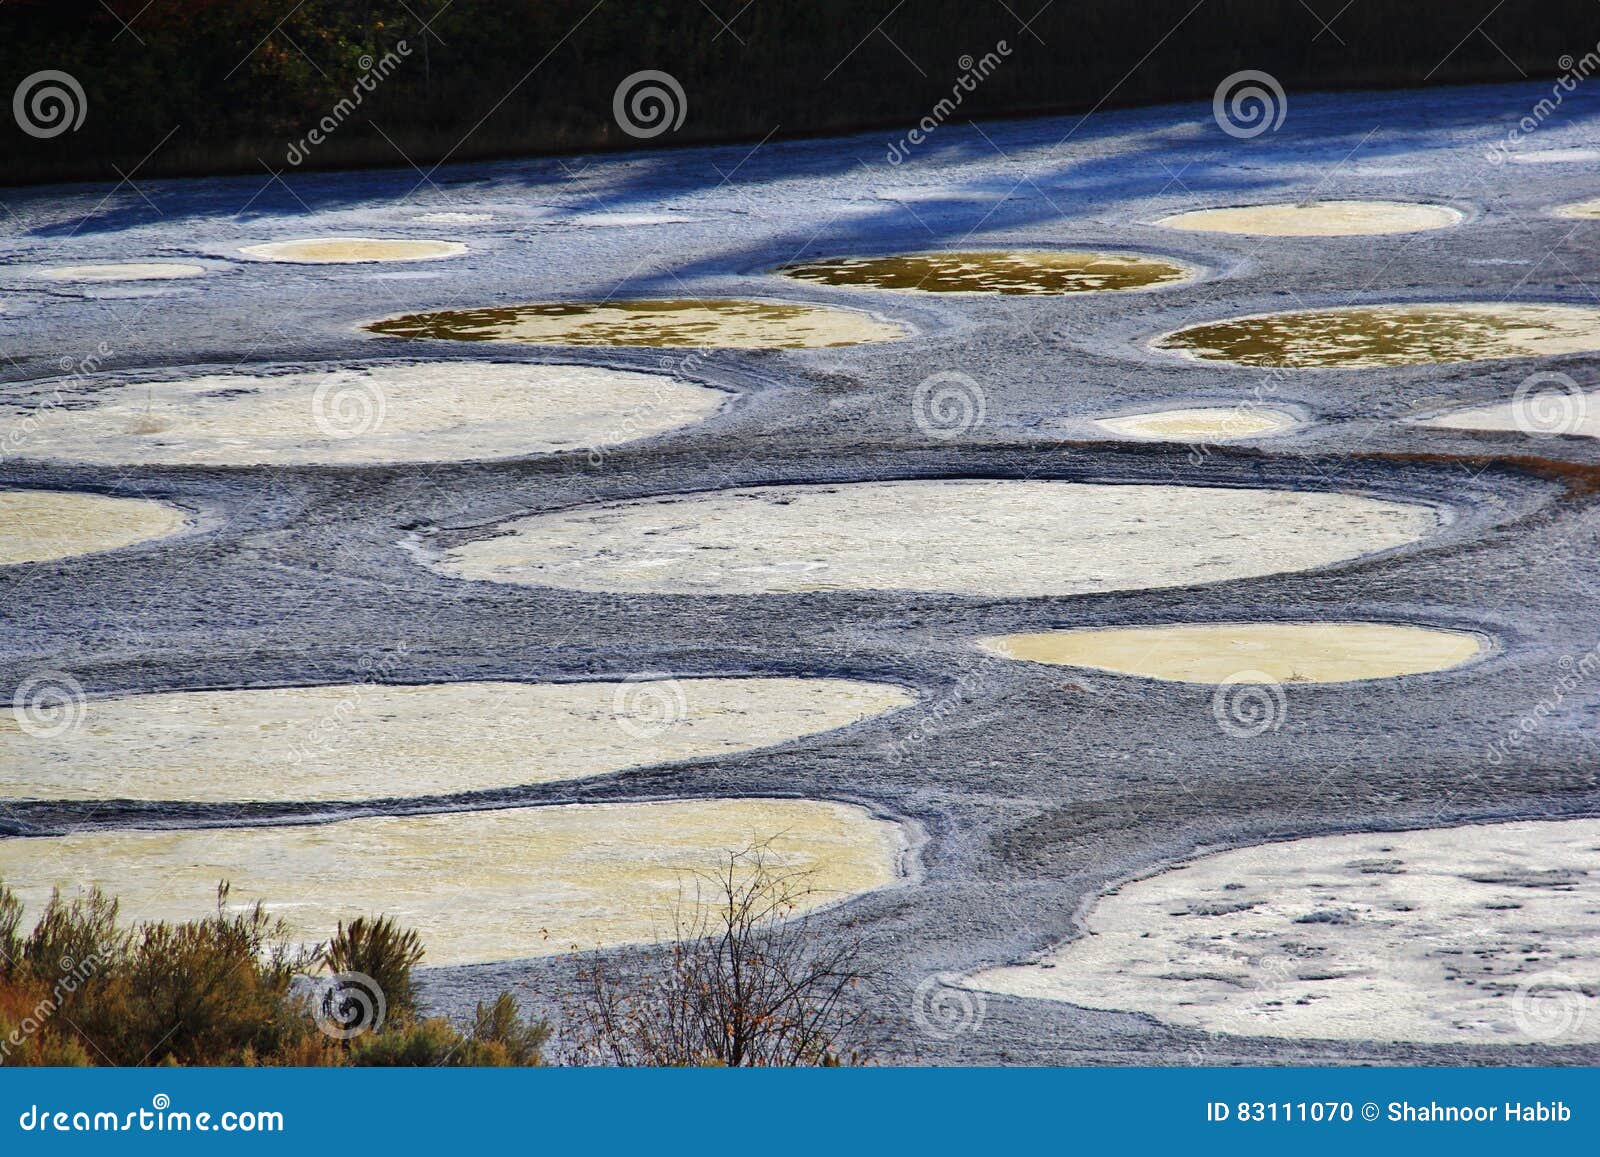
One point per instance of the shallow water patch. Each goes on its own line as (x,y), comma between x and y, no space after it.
(123,271)
(1037,271)
(478,886)
(980,537)
(437,412)
(1571,156)
(1583,210)
(43,525)
(1317,219)
(1548,406)
(1201,424)
(370,741)
(1471,935)
(1391,335)
(352,250)
(1331,652)
(678,322)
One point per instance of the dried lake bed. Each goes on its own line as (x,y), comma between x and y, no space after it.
(615,546)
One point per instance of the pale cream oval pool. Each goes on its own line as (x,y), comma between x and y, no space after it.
(1317,219)
(124,271)
(357,741)
(980,537)
(352,250)
(430,412)
(1319,652)
(1483,934)
(477,886)
(1201,424)
(44,525)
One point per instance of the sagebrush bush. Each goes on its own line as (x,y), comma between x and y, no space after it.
(380,949)
(79,989)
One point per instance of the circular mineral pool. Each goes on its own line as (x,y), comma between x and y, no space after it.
(1336,652)
(433,412)
(1317,219)
(352,250)
(1201,424)
(979,537)
(477,886)
(1391,335)
(123,271)
(1037,271)
(1471,935)
(361,741)
(679,322)
(1584,210)
(44,525)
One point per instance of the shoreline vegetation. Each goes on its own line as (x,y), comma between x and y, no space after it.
(747,980)
(191,87)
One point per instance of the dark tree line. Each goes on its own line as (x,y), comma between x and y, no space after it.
(242,80)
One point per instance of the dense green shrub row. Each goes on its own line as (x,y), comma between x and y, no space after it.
(244,81)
